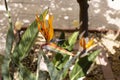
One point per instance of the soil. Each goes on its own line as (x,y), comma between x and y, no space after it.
(95,74)
(115,63)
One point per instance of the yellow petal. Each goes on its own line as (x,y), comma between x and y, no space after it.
(90,43)
(82,43)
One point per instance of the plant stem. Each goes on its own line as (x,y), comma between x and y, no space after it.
(9,16)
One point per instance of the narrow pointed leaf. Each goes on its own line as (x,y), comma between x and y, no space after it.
(9,40)
(6,61)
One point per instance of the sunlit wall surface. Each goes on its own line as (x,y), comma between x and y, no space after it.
(102,14)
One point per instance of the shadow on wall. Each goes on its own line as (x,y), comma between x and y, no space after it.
(104,14)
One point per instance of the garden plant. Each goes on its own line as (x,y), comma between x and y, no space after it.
(58,55)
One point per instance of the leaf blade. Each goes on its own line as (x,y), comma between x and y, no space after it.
(71,41)
(82,65)
(27,41)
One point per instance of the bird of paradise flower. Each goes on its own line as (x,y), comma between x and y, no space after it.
(48,32)
(85,45)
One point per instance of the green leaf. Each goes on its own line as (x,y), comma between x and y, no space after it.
(82,65)
(6,61)
(58,57)
(69,44)
(5,69)
(26,42)
(10,34)
(68,65)
(53,72)
(63,62)
(9,40)
(25,74)
(9,44)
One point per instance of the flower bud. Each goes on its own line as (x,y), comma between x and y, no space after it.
(18,25)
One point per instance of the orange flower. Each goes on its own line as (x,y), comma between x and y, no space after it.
(46,29)
(83,43)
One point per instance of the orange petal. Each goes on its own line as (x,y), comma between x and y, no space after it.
(39,27)
(51,31)
(47,32)
(90,43)
(82,43)
(38,23)
(45,29)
